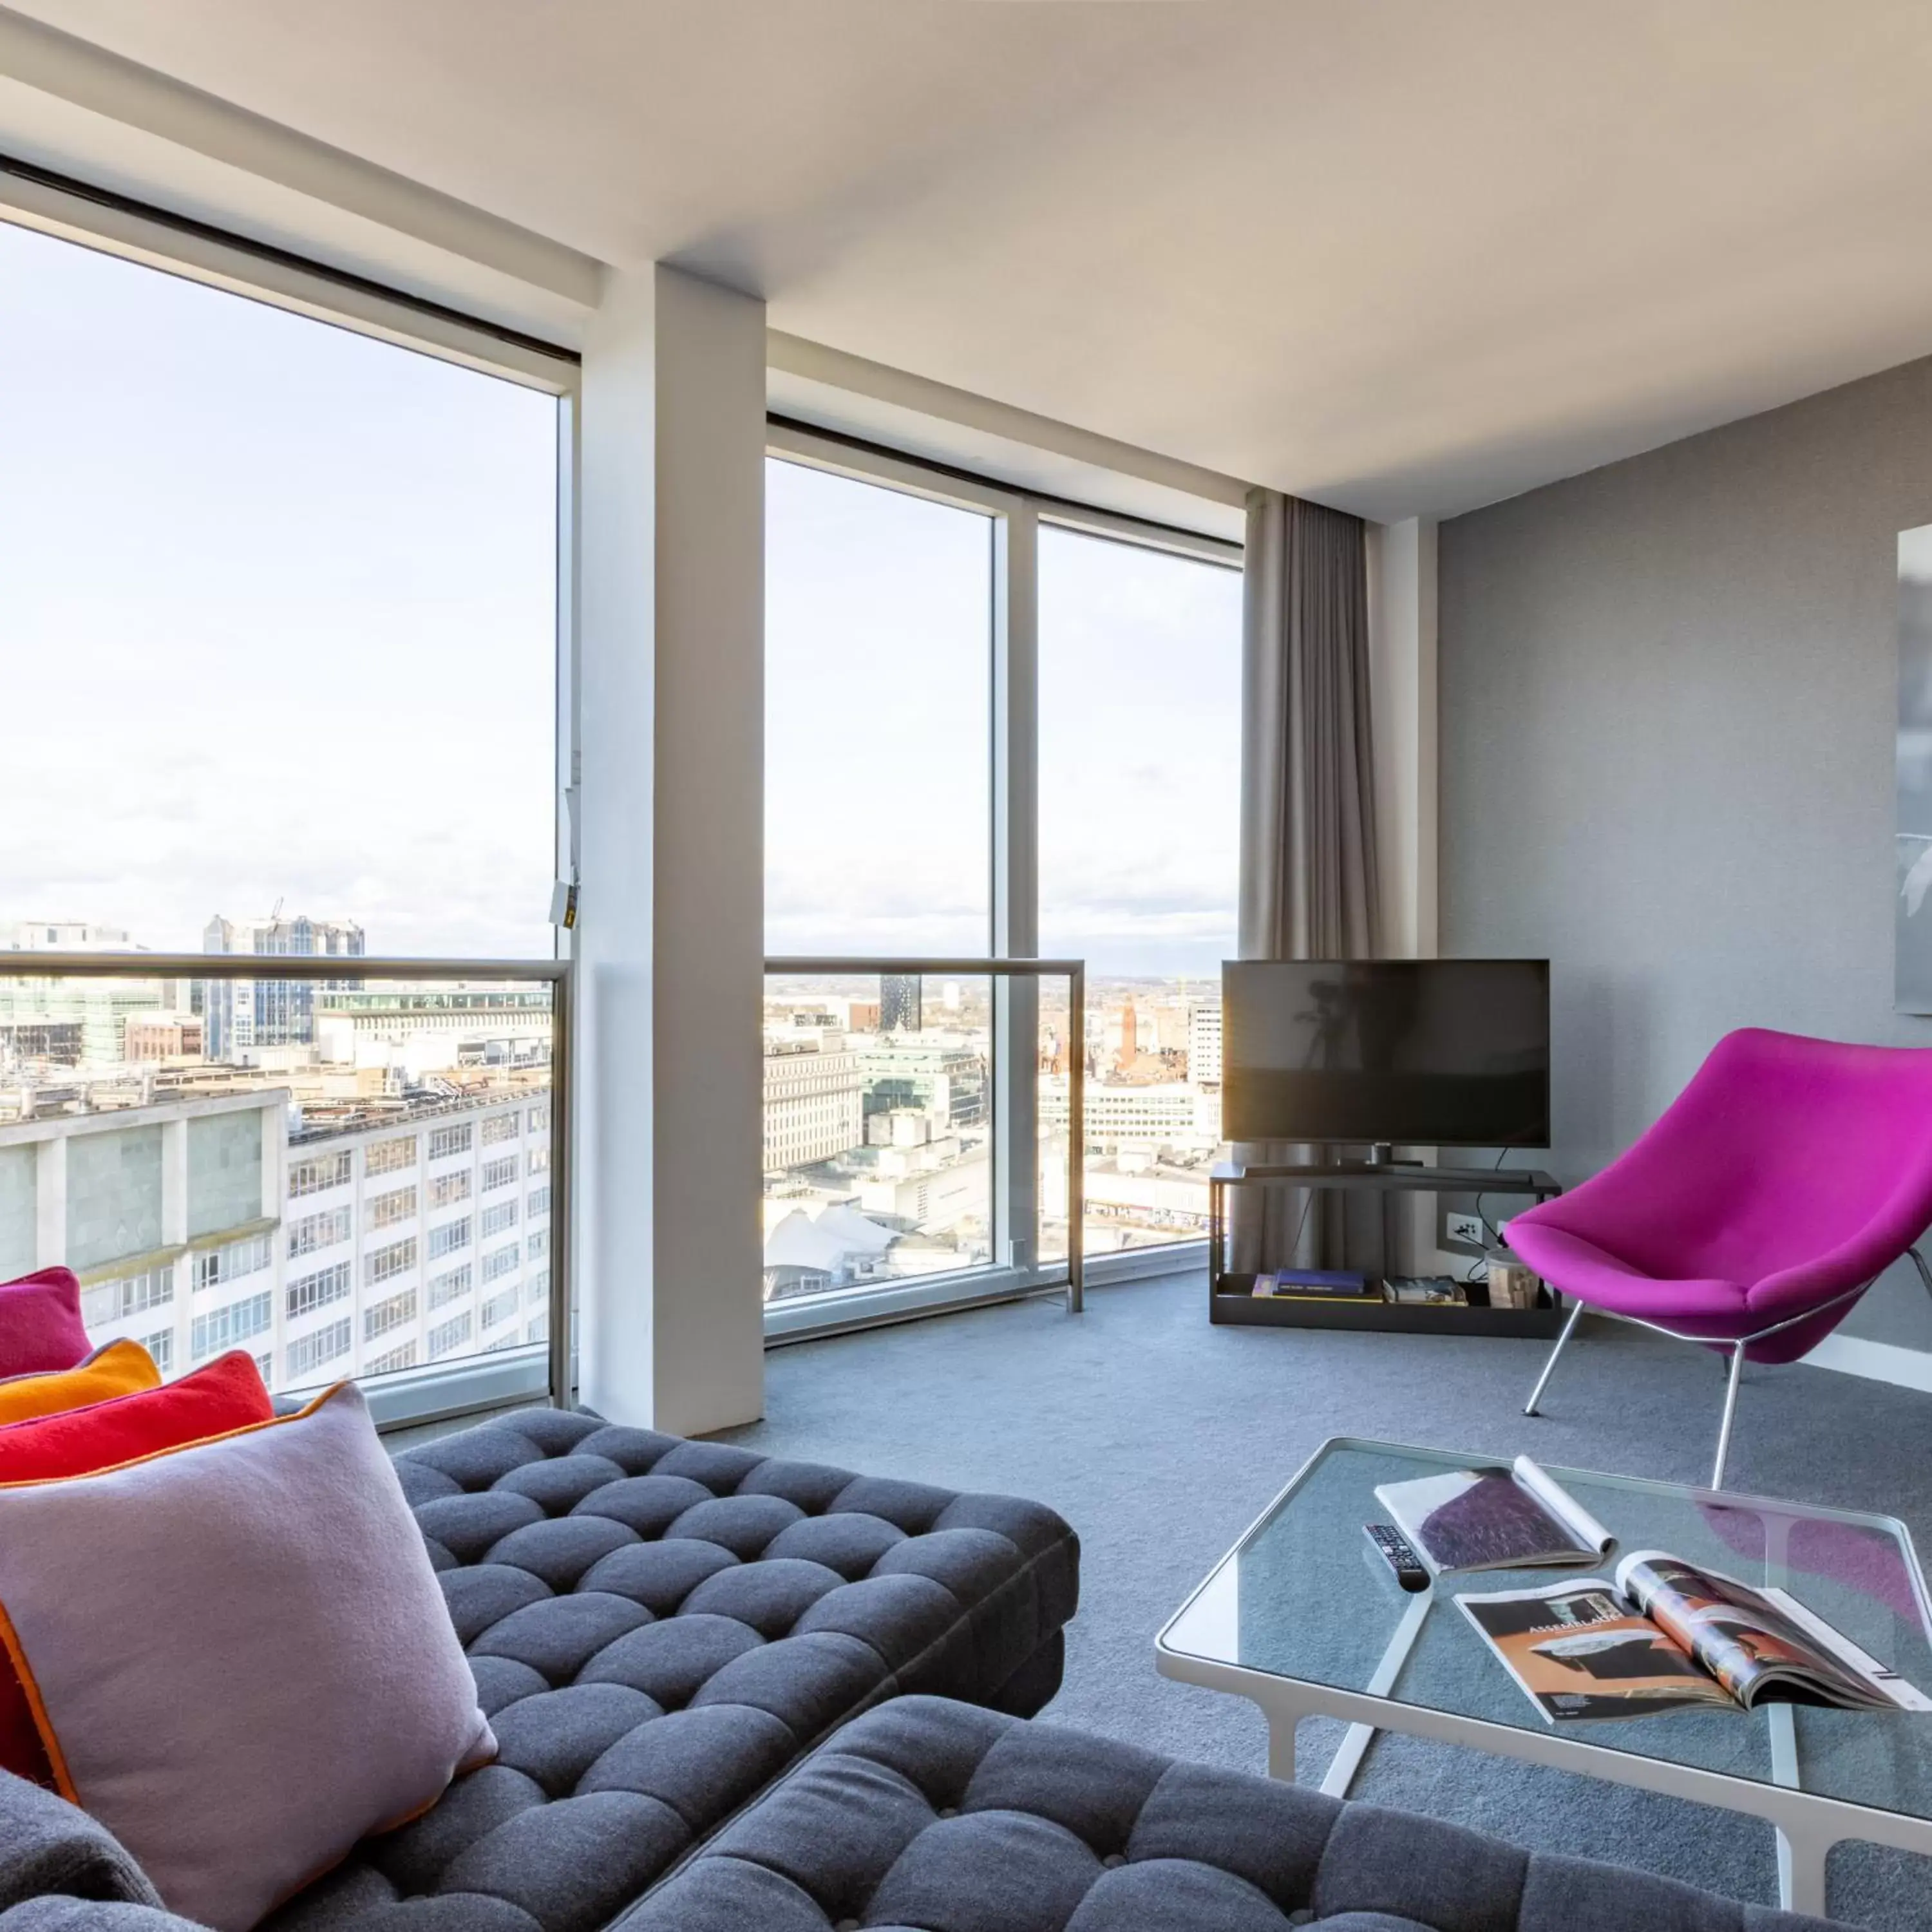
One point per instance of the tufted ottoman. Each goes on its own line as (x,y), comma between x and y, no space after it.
(928,1816)
(658,1627)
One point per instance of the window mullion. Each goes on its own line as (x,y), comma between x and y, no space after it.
(1015,883)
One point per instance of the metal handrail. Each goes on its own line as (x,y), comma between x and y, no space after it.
(1074,972)
(558,974)
(51,965)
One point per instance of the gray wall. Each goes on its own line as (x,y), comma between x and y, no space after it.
(1667,701)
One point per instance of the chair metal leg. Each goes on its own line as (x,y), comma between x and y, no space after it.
(1569,1328)
(1730,1410)
(1924,1273)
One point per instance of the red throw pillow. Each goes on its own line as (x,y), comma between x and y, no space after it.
(41,1327)
(228,1394)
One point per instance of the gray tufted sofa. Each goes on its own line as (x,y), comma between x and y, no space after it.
(933,1815)
(660,1628)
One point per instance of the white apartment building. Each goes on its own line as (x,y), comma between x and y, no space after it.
(1171,1113)
(813,1098)
(195,1227)
(144,1202)
(413,1241)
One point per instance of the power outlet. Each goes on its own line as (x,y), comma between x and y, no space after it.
(1466,1231)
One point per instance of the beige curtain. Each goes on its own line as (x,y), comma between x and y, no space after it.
(1308,880)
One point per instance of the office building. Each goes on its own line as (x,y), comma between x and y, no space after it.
(813,1099)
(242,1015)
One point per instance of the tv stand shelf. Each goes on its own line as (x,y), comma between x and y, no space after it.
(1230,1299)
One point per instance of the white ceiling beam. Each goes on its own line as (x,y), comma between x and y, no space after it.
(814,362)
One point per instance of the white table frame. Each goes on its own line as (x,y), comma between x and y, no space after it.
(1807,1823)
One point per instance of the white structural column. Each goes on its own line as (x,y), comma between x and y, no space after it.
(669,690)
(1402,701)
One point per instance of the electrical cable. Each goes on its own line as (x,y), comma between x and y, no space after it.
(1489,1227)
(1479,1269)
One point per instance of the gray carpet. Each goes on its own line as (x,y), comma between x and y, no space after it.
(1160,1438)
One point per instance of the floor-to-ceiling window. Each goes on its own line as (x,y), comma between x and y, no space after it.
(1139,774)
(988,729)
(280,624)
(878,1117)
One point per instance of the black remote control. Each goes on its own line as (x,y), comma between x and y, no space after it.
(1407,1567)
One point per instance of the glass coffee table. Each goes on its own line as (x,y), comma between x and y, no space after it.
(1305,1619)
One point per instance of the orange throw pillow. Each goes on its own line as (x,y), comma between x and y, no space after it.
(228,1394)
(122,1368)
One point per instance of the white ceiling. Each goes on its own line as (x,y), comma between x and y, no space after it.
(1397,257)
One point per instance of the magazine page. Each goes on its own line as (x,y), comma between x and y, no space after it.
(1588,1532)
(1875,1675)
(1758,1643)
(1577,1652)
(1484,1519)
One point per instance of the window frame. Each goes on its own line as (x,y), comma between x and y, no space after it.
(155,238)
(1012,743)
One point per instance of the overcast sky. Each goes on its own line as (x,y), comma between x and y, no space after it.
(276,615)
(878,704)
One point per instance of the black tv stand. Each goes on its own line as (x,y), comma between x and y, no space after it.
(1230,1298)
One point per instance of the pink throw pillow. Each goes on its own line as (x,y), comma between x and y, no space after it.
(41,1327)
(237,1654)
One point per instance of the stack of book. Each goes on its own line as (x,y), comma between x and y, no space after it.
(1316,1284)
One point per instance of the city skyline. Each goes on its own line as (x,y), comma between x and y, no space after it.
(878,1140)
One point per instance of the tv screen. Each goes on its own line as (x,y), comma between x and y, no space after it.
(1422,1052)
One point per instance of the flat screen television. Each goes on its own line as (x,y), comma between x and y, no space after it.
(1418,1052)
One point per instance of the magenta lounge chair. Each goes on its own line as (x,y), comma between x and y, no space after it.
(1771,1193)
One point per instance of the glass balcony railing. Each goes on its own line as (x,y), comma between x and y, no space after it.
(345,1166)
(906,1159)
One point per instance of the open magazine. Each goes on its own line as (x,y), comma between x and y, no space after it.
(1667,1635)
(1494,1520)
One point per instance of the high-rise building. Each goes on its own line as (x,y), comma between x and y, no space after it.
(1204,1044)
(899,1003)
(241,1015)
